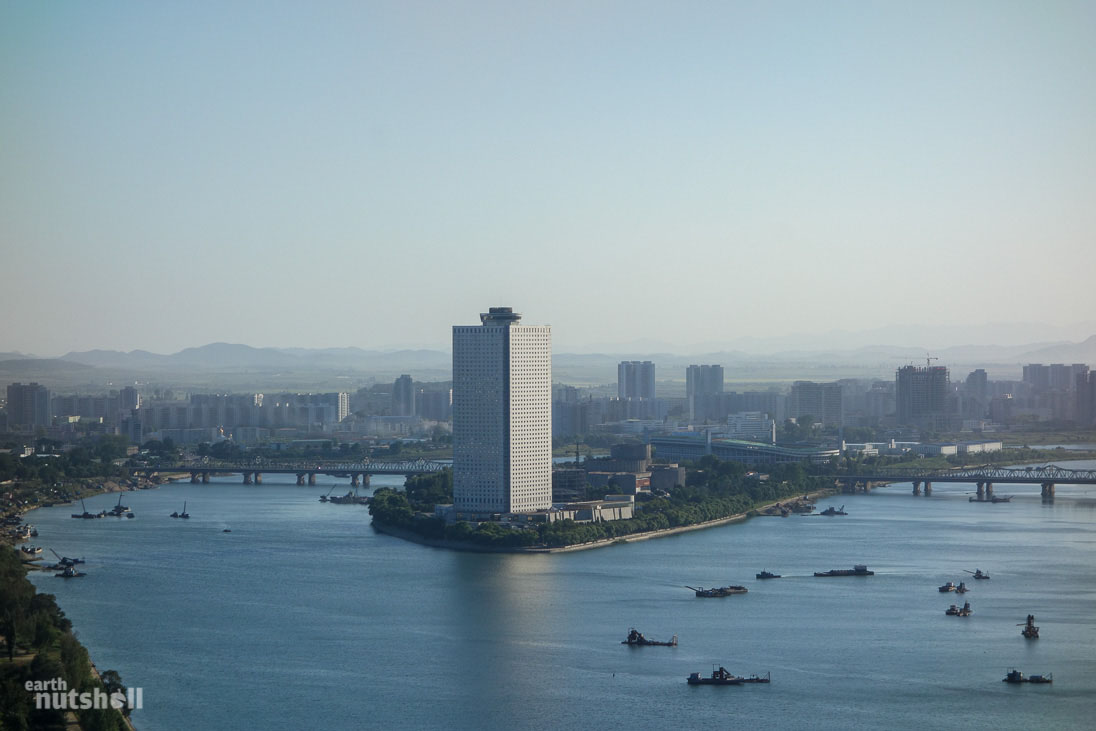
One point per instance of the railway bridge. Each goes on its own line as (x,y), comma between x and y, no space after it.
(984,477)
(306,471)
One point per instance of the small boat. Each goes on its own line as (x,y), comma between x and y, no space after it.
(834,511)
(1029,630)
(1015,676)
(183,514)
(1001,499)
(767,575)
(955,611)
(978,574)
(70,573)
(226,530)
(857,570)
(720,591)
(722,676)
(636,638)
(31,550)
(950,586)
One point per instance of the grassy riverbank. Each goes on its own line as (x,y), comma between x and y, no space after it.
(40,647)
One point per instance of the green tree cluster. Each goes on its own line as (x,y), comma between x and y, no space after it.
(32,623)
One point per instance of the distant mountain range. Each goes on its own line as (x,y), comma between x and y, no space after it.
(227,365)
(220,356)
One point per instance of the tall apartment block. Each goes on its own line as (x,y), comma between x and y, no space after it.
(502,415)
(921,395)
(703,385)
(403,396)
(28,406)
(636,379)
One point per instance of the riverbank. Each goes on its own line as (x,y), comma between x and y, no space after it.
(413,537)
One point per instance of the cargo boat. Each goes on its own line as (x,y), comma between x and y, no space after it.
(950,586)
(1015,676)
(721,591)
(767,575)
(857,570)
(724,677)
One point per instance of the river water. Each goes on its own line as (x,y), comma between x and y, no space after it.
(304,617)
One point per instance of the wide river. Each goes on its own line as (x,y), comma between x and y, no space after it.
(304,617)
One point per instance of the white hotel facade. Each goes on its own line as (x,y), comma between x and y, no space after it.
(502,415)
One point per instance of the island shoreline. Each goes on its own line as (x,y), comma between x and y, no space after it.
(413,537)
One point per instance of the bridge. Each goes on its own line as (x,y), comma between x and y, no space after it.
(984,477)
(306,471)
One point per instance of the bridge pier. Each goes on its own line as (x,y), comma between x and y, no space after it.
(247,478)
(928,488)
(1048,492)
(867,486)
(300,478)
(354,479)
(981,490)
(916,487)
(365,479)
(989,489)
(258,478)
(205,478)
(194,478)
(311,478)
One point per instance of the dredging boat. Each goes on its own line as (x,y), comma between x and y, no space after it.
(1015,676)
(857,570)
(956,611)
(720,591)
(950,586)
(722,676)
(978,574)
(86,515)
(767,575)
(183,514)
(834,511)
(1029,629)
(636,638)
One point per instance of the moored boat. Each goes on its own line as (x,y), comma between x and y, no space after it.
(950,586)
(70,573)
(956,611)
(767,575)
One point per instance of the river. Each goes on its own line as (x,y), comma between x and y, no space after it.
(303,617)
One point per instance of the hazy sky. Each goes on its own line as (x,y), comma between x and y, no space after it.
(362,173)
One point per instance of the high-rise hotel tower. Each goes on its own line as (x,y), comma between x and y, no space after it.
(502,415)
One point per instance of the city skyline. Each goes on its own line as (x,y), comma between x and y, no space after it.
(350,174)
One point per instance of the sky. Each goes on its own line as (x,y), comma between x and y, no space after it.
(369,174)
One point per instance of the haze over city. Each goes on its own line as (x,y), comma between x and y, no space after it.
(641,174)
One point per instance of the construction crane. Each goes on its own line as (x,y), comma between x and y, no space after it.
(929,359)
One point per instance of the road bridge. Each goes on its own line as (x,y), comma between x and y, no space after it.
(984,477)
(305,470)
